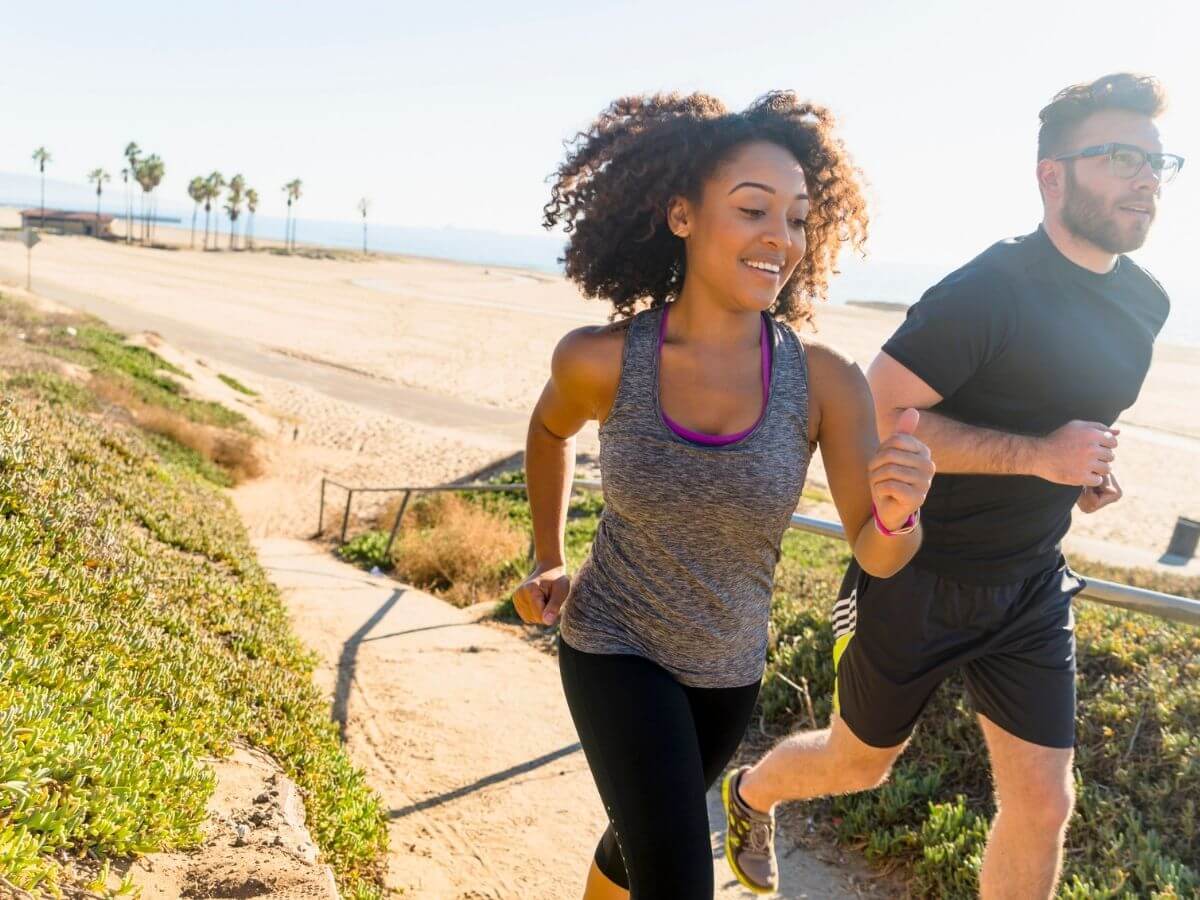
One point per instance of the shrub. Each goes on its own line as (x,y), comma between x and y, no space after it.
(53,388)
(367,550)
(138,634)
(459,550)
(237,385)
(232,451)
(137,370)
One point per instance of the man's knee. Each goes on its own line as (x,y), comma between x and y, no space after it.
(1045,805)
(866,772)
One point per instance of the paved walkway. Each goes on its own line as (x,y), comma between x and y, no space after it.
(462,728)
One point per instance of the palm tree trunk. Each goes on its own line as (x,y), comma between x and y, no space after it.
(97,209)
(42,169)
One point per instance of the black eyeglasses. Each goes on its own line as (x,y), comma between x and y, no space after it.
(1126,160)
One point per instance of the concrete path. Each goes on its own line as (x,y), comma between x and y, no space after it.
(462,727)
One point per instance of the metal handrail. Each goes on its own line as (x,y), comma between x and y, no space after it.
(1110,593)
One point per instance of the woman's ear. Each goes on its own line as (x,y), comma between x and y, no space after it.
(679,217)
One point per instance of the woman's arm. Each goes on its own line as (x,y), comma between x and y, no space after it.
(583,379)
(894,476)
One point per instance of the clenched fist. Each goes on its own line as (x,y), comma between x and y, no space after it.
(900,473)
(1080,453)
(541,595)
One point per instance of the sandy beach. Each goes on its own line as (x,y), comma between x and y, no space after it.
(393,370)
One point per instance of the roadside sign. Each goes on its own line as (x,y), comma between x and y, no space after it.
(29,238)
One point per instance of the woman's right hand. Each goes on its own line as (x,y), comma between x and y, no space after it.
(541,595)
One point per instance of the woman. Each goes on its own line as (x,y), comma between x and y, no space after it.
(729,225)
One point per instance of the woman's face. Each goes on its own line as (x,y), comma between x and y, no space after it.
(746,235)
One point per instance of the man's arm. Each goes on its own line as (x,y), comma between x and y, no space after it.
(1079,453)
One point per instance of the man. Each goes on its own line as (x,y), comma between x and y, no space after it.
(1020,362)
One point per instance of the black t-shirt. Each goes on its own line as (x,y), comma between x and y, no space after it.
(1022,340)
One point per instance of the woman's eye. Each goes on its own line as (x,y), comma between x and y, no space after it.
(798,223)
(752,213)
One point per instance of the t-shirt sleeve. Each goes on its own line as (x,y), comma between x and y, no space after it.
(956,328)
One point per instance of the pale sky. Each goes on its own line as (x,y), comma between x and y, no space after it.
(454,113)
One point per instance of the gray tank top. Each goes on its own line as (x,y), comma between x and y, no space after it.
(683,564)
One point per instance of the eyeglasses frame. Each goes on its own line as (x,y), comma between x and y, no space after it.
(1108,149)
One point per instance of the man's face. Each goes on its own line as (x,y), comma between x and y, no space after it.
(1109,211)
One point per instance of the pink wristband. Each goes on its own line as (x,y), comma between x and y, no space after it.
(909,524)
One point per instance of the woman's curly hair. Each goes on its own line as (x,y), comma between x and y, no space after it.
(611,192)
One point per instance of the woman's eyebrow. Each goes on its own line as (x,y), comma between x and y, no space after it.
(754,184)
(763,187)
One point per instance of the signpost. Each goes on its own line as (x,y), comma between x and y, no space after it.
(29,238)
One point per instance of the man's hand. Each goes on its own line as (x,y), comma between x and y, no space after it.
(1079,453)
(540,596)
(1094,498)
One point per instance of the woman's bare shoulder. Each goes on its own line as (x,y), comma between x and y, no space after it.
(587,361)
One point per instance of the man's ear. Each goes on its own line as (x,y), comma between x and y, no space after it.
(679,217)
(1050,176)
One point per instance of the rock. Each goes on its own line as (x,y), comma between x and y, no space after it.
(243,833)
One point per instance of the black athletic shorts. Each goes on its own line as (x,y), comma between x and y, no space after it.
(898,638)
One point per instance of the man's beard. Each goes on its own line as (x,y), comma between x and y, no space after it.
(1085,216)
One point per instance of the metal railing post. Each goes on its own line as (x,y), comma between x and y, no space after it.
(321,511)
(346,514)
(396,525)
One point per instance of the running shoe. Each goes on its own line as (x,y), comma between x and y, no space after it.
(749,839)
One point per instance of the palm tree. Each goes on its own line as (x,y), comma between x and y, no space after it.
(98,177)
(293,189)
(132,153)
(251,208)
(41,156)
(196,192)
(149,174)
(212,190)
(363,205)
(128,200)
(237,188)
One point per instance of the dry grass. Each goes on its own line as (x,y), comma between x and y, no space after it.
(233,451)
(464,553)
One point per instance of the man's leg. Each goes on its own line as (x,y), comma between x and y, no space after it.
(1034,799)
(816,764)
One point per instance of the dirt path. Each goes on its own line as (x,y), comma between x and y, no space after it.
(462,727)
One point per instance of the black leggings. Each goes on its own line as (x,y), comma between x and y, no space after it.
(654,747)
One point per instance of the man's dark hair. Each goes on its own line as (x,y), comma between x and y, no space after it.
(1123,90)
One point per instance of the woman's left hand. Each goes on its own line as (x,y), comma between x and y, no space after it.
(900,473)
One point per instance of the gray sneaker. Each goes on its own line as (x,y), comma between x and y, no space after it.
(749,839)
